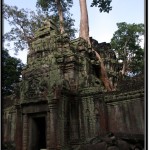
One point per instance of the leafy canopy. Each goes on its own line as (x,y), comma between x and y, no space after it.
(103,5)
(49,7)
(11,72)
(25,22)
(126,42)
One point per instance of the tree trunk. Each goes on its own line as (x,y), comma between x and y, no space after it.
(84,24)
(61,18)
(123,71)
(84,33)
(123,68)
(104,77)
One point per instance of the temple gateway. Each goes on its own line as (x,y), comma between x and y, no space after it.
(61,102)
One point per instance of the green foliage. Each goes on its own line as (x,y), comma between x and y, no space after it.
(103,5)
(50,9)
(50,5)
(68,24)
(23,25)
(25,22)
(126,43)
(44,4)
(11,72)
(137,64)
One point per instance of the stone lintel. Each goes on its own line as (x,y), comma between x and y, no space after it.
(124,97)
(34,108)
(90,91)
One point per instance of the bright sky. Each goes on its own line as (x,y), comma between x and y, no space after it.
(101,25)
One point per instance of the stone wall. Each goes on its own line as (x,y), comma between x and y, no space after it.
(61,86)
(119,112)
(126,112)
(9,125)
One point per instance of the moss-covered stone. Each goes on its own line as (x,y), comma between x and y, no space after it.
(62,83)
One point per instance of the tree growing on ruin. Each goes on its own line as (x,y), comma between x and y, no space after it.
(58,10)
(24,23)
(104,6)
(126,43)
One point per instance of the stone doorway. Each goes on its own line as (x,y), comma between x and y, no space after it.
(37,134)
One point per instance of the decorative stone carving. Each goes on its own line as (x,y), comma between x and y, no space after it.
(62,83)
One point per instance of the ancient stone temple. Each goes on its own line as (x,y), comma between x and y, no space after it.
(62,103)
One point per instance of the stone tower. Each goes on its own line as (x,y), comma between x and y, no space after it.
(63,102)
(58,72)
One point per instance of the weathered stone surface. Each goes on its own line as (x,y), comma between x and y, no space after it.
(62,102)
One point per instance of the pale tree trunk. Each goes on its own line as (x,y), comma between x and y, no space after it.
(60,13)
(123,71)
(84,23)
(84,33)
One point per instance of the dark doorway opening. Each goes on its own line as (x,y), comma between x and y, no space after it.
(96,70)
(41,125)
(38,130)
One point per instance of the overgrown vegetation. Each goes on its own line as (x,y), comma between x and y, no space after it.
(126,42)
(11,72)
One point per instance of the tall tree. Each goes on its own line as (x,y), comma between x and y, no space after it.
(126,43)
(25,22)
(103,5)
(57,7)
(23,25)
(84,21)
(11,72)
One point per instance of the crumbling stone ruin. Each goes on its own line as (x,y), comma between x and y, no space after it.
(62,103)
